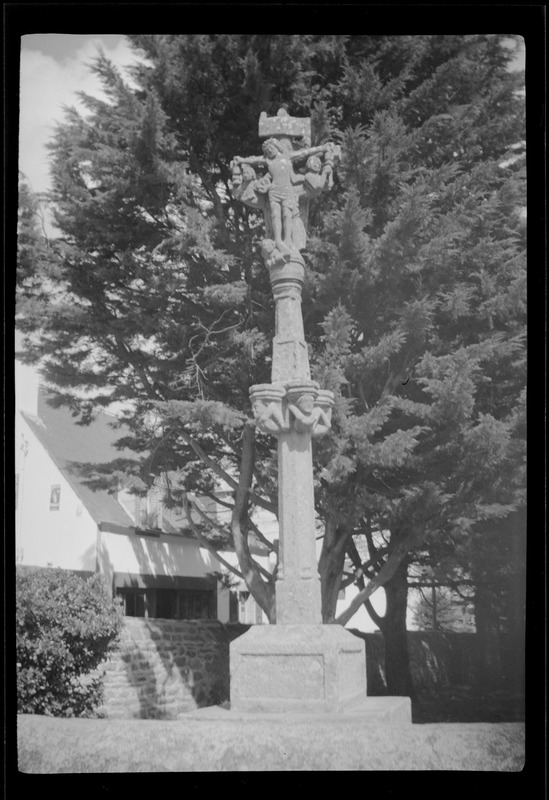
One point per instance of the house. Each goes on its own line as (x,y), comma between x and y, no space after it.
(148,554)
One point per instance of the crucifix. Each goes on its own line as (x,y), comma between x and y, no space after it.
(298,664)
(292,407)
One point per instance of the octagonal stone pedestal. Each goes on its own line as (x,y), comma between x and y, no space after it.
(297,668)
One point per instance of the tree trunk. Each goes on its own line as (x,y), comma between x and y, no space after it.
(517,602)
(330,566)
(487,625)
(262,590)
(397,660)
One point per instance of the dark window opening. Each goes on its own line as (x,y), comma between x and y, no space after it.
(197,604)
(233,607)
(135,604)
(169,603)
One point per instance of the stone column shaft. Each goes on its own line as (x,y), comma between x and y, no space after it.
(290,354)
(298,583)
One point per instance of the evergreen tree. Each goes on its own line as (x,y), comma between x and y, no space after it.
(427,259)
(413,303)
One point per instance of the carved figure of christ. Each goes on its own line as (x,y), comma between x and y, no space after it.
(283,202)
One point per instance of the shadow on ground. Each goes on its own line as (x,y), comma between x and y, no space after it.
(458,704)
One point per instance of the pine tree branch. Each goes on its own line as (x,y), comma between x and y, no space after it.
(204,542)
(126,354)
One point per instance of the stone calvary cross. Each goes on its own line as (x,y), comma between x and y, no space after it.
(292,407)
(299,664)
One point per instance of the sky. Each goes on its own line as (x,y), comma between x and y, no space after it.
(53,68)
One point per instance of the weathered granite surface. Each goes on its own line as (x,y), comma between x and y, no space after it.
(297,668)
(262,743)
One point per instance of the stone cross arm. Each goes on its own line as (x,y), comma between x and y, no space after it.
(292,155)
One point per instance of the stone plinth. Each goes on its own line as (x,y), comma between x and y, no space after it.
(297,668)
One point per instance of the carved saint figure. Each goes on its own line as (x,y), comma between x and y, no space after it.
(252,191)
(317,177)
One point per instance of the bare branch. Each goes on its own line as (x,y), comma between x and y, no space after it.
(207,519)
(272,547)
(211,463)
(216,499)
(387,571)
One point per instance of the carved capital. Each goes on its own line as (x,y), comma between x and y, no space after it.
(270,414)
(300,398)
(324,404)
(297,404)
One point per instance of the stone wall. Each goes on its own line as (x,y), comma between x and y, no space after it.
(163,668)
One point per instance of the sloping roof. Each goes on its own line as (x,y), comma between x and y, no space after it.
(68,444)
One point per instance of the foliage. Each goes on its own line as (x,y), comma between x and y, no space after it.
(414,298)
(441,609)
(65,627)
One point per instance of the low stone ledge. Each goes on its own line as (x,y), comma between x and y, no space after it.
(287,742)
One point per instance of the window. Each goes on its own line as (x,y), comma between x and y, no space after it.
(55,497)
(233,606)
(196,604)
(135,604)
(166,603)
(169,603)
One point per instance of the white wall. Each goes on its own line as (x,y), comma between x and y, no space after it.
(162,556)
(64,538)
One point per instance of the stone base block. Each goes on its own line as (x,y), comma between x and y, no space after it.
(298,668)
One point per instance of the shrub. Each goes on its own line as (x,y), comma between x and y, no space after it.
(65,627)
